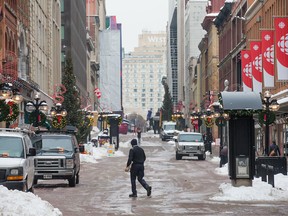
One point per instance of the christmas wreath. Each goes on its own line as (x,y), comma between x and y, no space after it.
(91,120)
(209,122)
(59,122)
(262,117)
(13,111)
(4,110)
(37,122)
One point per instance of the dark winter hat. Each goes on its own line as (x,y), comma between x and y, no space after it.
(133,142)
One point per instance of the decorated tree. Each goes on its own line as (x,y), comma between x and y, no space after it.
(71,97)
(167,106)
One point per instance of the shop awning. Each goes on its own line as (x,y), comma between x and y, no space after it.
(241,100)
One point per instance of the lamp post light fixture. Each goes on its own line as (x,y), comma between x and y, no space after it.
(178,117)
(58,110)
(8,92)
(36,107)
(269,105)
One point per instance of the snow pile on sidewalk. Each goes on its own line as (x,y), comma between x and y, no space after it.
(15,203)
(100,152)
(259,191)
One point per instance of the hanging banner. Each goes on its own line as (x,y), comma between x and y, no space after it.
(281,47)
(267,37)
(246,70)
(256,59)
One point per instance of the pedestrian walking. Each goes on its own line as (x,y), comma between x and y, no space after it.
(139,135)
(223,155)
(136,161)
(274,149)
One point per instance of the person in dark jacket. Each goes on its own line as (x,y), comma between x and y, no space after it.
(274,149)
(137,158)
(224,155)
(139,135)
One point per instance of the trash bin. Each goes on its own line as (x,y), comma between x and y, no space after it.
(279,165)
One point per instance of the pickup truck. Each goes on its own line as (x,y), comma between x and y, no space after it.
(57,157)
(189,144)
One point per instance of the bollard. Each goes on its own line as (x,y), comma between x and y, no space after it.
(270,172)
(263,172)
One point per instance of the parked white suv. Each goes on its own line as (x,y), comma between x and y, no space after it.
(16,160)
(189,144)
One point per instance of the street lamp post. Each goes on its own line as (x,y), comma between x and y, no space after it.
(269,105)
(9,97)
(58,113)
(221,119)
(208,117)
(36,106)
(178,117)
(196,120)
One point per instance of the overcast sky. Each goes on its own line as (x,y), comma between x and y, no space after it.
(138,15)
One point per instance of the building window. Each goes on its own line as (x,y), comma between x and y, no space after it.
(62,31)
(62,6)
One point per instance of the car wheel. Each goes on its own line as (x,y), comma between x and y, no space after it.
(35,181)
(178,156)
(25,187)
(31,189)
(77,178)
(202,157)
(72,181)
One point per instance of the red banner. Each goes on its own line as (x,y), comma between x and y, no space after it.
(256,58)
(97,92)
(246,70)
(281,47)
(267,37)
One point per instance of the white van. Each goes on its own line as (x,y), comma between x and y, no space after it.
(16,160)
(168,130)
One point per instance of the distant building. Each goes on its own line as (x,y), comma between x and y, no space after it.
(110,66)
(74,42)
(143,70)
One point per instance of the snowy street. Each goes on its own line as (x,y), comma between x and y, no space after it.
(184,187)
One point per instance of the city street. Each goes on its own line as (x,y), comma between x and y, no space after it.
(178,187)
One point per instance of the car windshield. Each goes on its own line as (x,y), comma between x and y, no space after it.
(54,144)
(11,147)
(190,138)
(169,127)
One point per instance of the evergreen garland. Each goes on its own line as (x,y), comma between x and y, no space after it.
(209,122)
(4,110)
(33,118)
(13,111)
(271,117)
(59,122)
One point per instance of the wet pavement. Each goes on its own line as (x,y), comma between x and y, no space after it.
(178,188)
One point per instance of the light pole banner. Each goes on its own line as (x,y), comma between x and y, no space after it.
(246,70)
(267,37)
(281,47)
(256,57)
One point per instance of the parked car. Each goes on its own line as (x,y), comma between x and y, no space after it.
(57,157)
(189,144)
(16,160)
